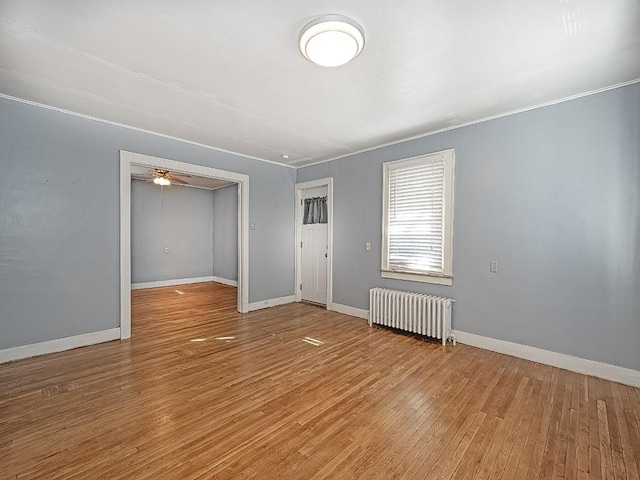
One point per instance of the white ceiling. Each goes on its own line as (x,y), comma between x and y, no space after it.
(228,74)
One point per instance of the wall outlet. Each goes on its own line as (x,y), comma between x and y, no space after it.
(166,250)
(493,266)
(367,246)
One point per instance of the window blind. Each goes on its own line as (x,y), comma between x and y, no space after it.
(416,222)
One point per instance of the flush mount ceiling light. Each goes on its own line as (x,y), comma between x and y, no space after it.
(331,40)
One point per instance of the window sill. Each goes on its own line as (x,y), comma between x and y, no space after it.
(416,277)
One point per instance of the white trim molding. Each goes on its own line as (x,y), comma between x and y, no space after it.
(446,160)
(183,281)
(351,311)
(300,187)
(138,129)
(58,345)
(272,302)
(300,164)
(224,281)
(605,371)
(127,159)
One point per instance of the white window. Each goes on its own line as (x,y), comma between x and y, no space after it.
(417,218)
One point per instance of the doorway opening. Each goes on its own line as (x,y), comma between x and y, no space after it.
(129,161)
(314,243)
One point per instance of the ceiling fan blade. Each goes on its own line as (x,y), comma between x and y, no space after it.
(181,175)
(177,180)
(142,177)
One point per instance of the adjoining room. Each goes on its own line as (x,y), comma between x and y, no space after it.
(184,231)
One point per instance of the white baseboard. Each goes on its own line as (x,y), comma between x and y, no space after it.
(225,281)
(272,302)
(58,345)
(605,371)
(353,311)
(560,360)
(182,281)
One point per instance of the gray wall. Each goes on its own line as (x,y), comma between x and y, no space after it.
(59,221)
(225,232)
(553,195)
(179,218)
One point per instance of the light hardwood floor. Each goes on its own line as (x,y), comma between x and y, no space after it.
(180,401)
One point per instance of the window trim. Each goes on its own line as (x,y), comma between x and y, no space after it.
(446,277)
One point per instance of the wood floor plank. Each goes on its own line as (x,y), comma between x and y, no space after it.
(631,468)
(563,432)
(632,424)
(582,448)
(571,456)
(595,467)
(203,392)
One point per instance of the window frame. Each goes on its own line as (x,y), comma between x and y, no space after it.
(446,276)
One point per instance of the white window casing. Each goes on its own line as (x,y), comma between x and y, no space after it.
(417,218)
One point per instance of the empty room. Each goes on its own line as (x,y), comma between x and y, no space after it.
(308,240)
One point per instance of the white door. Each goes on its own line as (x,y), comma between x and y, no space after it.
(314,262)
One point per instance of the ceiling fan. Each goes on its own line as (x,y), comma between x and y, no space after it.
(163,177)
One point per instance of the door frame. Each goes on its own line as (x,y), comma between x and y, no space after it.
(127,159)
(300,187)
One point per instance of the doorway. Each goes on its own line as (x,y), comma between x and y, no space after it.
(314,244)
(129,159)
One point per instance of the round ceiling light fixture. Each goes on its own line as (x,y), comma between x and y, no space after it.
(331,40)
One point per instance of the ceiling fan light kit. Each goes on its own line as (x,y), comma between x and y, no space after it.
(162,181)
(331,40)
(165,178)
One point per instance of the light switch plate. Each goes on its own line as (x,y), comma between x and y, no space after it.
(493,266)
